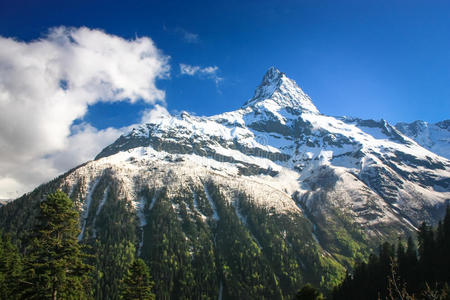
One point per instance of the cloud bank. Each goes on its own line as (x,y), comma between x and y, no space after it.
(48,83)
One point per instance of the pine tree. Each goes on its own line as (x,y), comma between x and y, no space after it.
(409,269)
(427,253)
(10,268)
(137,284)
(445,247)
(411,252)
(308,292)
(54,267)
(402,260)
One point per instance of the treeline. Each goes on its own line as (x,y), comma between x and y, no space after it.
(404,271)
(52,264)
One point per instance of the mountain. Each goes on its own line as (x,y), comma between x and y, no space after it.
(250,203)
(4,201)
(434,137)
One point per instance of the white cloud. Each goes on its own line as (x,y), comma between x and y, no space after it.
(206,72)
(189,70)
(155,114)
(48,83)
(85,142)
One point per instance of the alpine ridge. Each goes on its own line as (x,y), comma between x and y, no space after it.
(254,202)
(434,137)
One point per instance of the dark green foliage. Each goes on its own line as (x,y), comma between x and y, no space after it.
(244,268)
(10,268)
(111,263)
(113,248)
(137,285)
(289,247)
(273,234)
(248,252)
(53,265)
(422,273)
(308,292)
(180,251)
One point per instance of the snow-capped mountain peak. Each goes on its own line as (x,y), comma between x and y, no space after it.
(272,80)
(331,186)
(277,88)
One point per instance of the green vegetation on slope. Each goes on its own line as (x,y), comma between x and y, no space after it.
(199,247)
(403,272)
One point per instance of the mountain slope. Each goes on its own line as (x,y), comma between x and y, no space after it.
(255,202)
(434,137)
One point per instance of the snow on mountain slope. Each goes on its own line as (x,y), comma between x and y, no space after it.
(434,137)
(277,89)
(280,130)
(330,186)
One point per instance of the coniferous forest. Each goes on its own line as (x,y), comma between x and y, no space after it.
(410,269)
(50,262)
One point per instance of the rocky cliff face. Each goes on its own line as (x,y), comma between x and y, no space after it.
(255,202)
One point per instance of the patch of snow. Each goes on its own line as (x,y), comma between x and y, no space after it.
(202,216)
(99,208)
(211,202)
(327,147)
(87,205)
(155,197)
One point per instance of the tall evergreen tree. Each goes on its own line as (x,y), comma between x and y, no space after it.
(54,267)
(410,269)
(427,253)
(402,259)
(137,284)
(308,292)
(445,247)
(10,268)
(411,251)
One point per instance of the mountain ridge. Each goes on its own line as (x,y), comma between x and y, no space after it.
(297,195)
(266,136)
(435,137)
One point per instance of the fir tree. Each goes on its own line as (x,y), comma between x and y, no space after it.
(10,268)
(427,253)
(308,292)
(54,267)
(445,247)
(137,284)
(402,259)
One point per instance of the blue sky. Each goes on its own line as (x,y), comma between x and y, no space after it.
(372,59)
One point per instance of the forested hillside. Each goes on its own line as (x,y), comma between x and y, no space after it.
(404,270)
(52,264)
